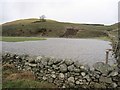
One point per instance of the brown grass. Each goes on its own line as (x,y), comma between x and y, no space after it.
(8,66)
(12,78)
(22,75)
(11,73)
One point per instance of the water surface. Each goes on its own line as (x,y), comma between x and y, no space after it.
(86,51)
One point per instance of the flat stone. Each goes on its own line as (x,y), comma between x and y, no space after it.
(53,76)
(41,71)
(53,72)
(77,64)
(97,76)
(55,67)
(82,67)
(38,59)
(113,73)
(77,70)
(85,67)
(99,85)
(105,79)
(66,76)
(103,68)
(76,74)
(31,60)
(41,65)
(83,74)
(63,86)
(114,85)
(15,56)
(71,68)
(97,72)
(32,65)
(26,63)
(46,59)
(50,80)
(69,62)
(44,63)
(116,78)
(87,77)
(56,61)
(72,85)
(77,82)
(44,78)
(23,57)
(51,62)
(84,81)
(63,68)
(27,68)
(71,80)
(61,76)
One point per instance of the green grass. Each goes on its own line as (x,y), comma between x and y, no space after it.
(103,38)
(13,78)
(27,84)
(20,39)
(0,76)
(30,27)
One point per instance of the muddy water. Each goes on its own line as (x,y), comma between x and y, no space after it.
(86,51)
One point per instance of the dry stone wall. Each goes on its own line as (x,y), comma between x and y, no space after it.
(66,73)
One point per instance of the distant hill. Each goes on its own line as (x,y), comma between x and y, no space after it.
(51,28)
(115,29)
(114,26)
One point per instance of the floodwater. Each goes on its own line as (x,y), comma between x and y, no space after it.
(86,51)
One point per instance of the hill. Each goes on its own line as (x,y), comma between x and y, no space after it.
(51,28)
(115,29)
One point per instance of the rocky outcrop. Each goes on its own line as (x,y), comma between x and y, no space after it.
(66,73)
(70,32)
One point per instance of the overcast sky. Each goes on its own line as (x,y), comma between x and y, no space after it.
(78,11)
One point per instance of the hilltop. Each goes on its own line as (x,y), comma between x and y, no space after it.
(52,28)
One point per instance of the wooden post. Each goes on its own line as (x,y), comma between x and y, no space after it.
(107,54)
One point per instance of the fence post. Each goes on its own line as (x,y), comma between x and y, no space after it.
(107,54)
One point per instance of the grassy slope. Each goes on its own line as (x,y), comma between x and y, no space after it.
(115,29)
(27,84)
(12,78)
(27,27)
(19,39)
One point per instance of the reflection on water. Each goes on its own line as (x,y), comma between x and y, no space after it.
(87,51)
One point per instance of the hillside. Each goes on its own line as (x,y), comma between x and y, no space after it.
(51,28)
(115,29)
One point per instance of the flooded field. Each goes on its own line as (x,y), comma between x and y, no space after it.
(86,51)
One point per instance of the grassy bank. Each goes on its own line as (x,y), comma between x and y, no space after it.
(20,39)
(12,78)
(105,38)
(24,83)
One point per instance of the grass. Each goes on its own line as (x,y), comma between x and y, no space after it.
(0,75)
(12,78)
(105,38)
(27,84)
(29,27)
(20,39)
